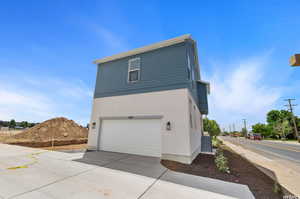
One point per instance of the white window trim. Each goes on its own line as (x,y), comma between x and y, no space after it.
(132,70)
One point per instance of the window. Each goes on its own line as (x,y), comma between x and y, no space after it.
(189,66)
(134,66)
(191,73)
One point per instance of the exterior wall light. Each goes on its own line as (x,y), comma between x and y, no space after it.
(168,126)
(93,125)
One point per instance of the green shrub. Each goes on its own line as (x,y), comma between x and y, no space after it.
(221,162)
(277,188)
(216,142)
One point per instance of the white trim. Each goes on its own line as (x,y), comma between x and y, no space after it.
(154,46)
(135,69)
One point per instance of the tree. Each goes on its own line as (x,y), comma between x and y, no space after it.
(12,123)
(283,127)
(24,124)
(263,129)
(273,116)
(276,119)
(211,126)
(32,124)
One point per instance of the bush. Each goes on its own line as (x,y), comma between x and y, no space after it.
(216,142)
(221,162)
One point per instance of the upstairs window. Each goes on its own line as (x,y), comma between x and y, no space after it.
(191,73)
(134,66)
(189,66)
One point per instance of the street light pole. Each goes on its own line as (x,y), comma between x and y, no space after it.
(245,126)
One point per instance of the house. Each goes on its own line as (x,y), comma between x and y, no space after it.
(150,101)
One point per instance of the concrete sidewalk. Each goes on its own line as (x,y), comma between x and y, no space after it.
(34,173)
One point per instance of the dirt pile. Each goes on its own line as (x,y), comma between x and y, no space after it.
(59,128)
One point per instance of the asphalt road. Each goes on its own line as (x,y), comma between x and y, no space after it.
(269,149)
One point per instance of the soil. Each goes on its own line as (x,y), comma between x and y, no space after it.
(59,128)
(241,171)
(58,131)
(67,147)
(60,142)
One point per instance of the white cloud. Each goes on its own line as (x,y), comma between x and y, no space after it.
(37,99)
(242,93)
(15,103)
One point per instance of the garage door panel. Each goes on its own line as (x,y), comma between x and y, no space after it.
(135,136)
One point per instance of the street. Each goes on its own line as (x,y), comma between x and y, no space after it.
(270,149)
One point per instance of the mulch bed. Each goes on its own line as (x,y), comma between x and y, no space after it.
(241,171)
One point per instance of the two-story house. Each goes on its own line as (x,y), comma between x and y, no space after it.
(150,101)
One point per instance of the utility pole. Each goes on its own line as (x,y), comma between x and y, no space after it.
(233,125)
(290,108)
(245,126)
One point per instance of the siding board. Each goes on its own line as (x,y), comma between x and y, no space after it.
(161,69)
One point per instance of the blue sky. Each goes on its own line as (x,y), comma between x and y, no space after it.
(47,49)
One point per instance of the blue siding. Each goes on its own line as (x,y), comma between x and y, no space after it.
(161,69)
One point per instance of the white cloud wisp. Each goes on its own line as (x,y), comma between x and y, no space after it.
(242,93)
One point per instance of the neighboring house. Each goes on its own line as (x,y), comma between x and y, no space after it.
(150,101)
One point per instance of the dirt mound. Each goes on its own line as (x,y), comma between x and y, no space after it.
(59,128)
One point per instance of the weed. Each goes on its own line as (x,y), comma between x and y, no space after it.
(277,188)
(221,162)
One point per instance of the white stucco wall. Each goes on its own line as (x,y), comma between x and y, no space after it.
(172,105)
(195,133)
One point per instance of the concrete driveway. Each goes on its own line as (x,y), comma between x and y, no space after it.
(33,173)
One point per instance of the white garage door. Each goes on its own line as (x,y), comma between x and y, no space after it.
(134,136)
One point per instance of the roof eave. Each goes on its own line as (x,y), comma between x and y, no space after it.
(150,47)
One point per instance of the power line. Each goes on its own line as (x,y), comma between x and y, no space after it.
(290,108)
